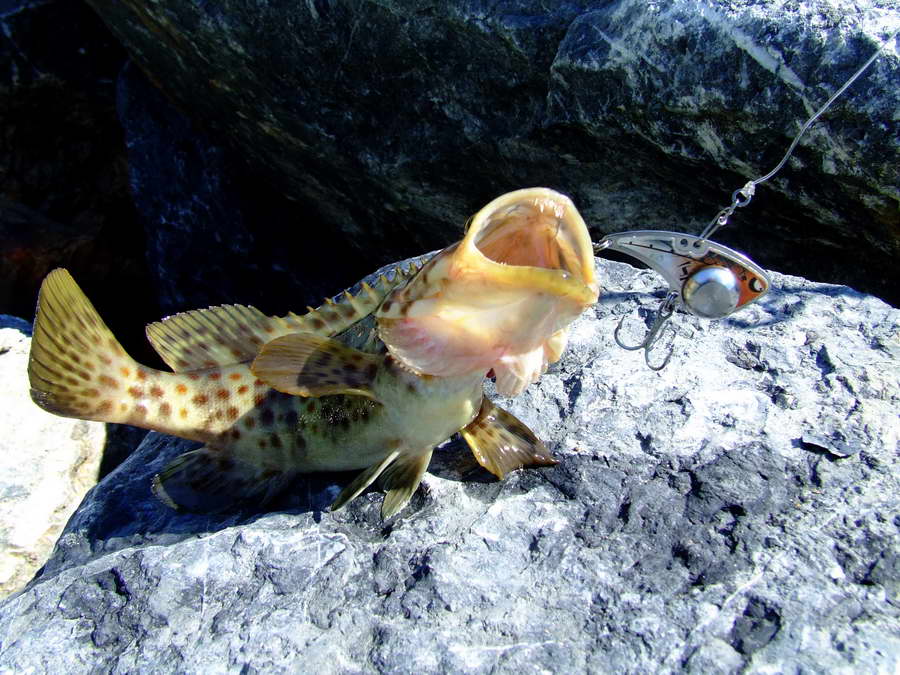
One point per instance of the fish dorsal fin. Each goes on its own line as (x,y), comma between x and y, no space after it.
(502,443)
(217,336)
(304,364)
(229,334)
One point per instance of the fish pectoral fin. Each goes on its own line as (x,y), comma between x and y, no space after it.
(305,364)
(362,481)
(208,479)
(401,479)
(502,443)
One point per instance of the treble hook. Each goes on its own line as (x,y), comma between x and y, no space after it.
(663,314)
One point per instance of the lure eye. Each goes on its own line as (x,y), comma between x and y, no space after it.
(712,292)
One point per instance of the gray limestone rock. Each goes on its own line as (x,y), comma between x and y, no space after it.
(47,464)
(735,512)
(394,121)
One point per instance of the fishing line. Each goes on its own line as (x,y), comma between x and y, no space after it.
(706,278)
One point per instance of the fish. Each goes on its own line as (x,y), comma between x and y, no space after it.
(371,381)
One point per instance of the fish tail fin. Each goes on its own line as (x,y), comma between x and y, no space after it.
(76,363)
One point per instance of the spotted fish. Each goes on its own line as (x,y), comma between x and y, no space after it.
(372,381)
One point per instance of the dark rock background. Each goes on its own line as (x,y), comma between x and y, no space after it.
(736,512)
(394,121)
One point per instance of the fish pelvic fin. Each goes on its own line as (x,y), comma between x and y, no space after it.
(362,481)
(304,364)
(210,479)
(400,481)
(76,365)
(502,443)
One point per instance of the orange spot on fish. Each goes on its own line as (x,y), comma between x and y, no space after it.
(223,394)
(200,399)
(141,374)
(108,381)
(232,413)
(181,389)
(243,389)
(156,391)
(183,413)
(126,372)
(235,376)
(136,392)
(259,383)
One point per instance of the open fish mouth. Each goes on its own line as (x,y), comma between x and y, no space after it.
(501,298)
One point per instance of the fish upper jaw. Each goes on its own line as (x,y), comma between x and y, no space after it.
(501,298)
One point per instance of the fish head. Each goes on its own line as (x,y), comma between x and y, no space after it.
(502,298)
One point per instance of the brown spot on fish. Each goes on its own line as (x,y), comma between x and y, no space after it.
(266,417)
(311,407)
(181,389)
(223,394)
(243,389)
(259,399)
(92,393)
(225,464)
(108,381)
(234,376)
(317,323)
(249,422)
(299,442)
(106,360)
(156,391)
(105,407)
(236,433)
(275,440)
(123,407)
(83,375)
(136,392)
(386,305)
(214,376)
(269,474)
(232,413)
(262,443)
(259,383)
(194,376)
(165,410)
(290,418)
(140,410)
(141,374)
(200,399)
(183,363)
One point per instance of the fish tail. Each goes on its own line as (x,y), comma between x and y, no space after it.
(76,365)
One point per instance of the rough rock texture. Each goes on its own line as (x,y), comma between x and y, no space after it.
(64,196)
(735,511)
(394,121)
(47,464)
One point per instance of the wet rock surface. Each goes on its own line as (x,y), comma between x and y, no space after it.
(392,122)
(736,510)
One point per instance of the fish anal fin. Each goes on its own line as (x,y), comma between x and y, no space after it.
(362,481)
(502,443)
(400,481)
(304,364)
(208,479)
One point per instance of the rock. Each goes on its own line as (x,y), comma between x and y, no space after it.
(688,526)
(64,198)
(46,465)
(217,233)
(394,122)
